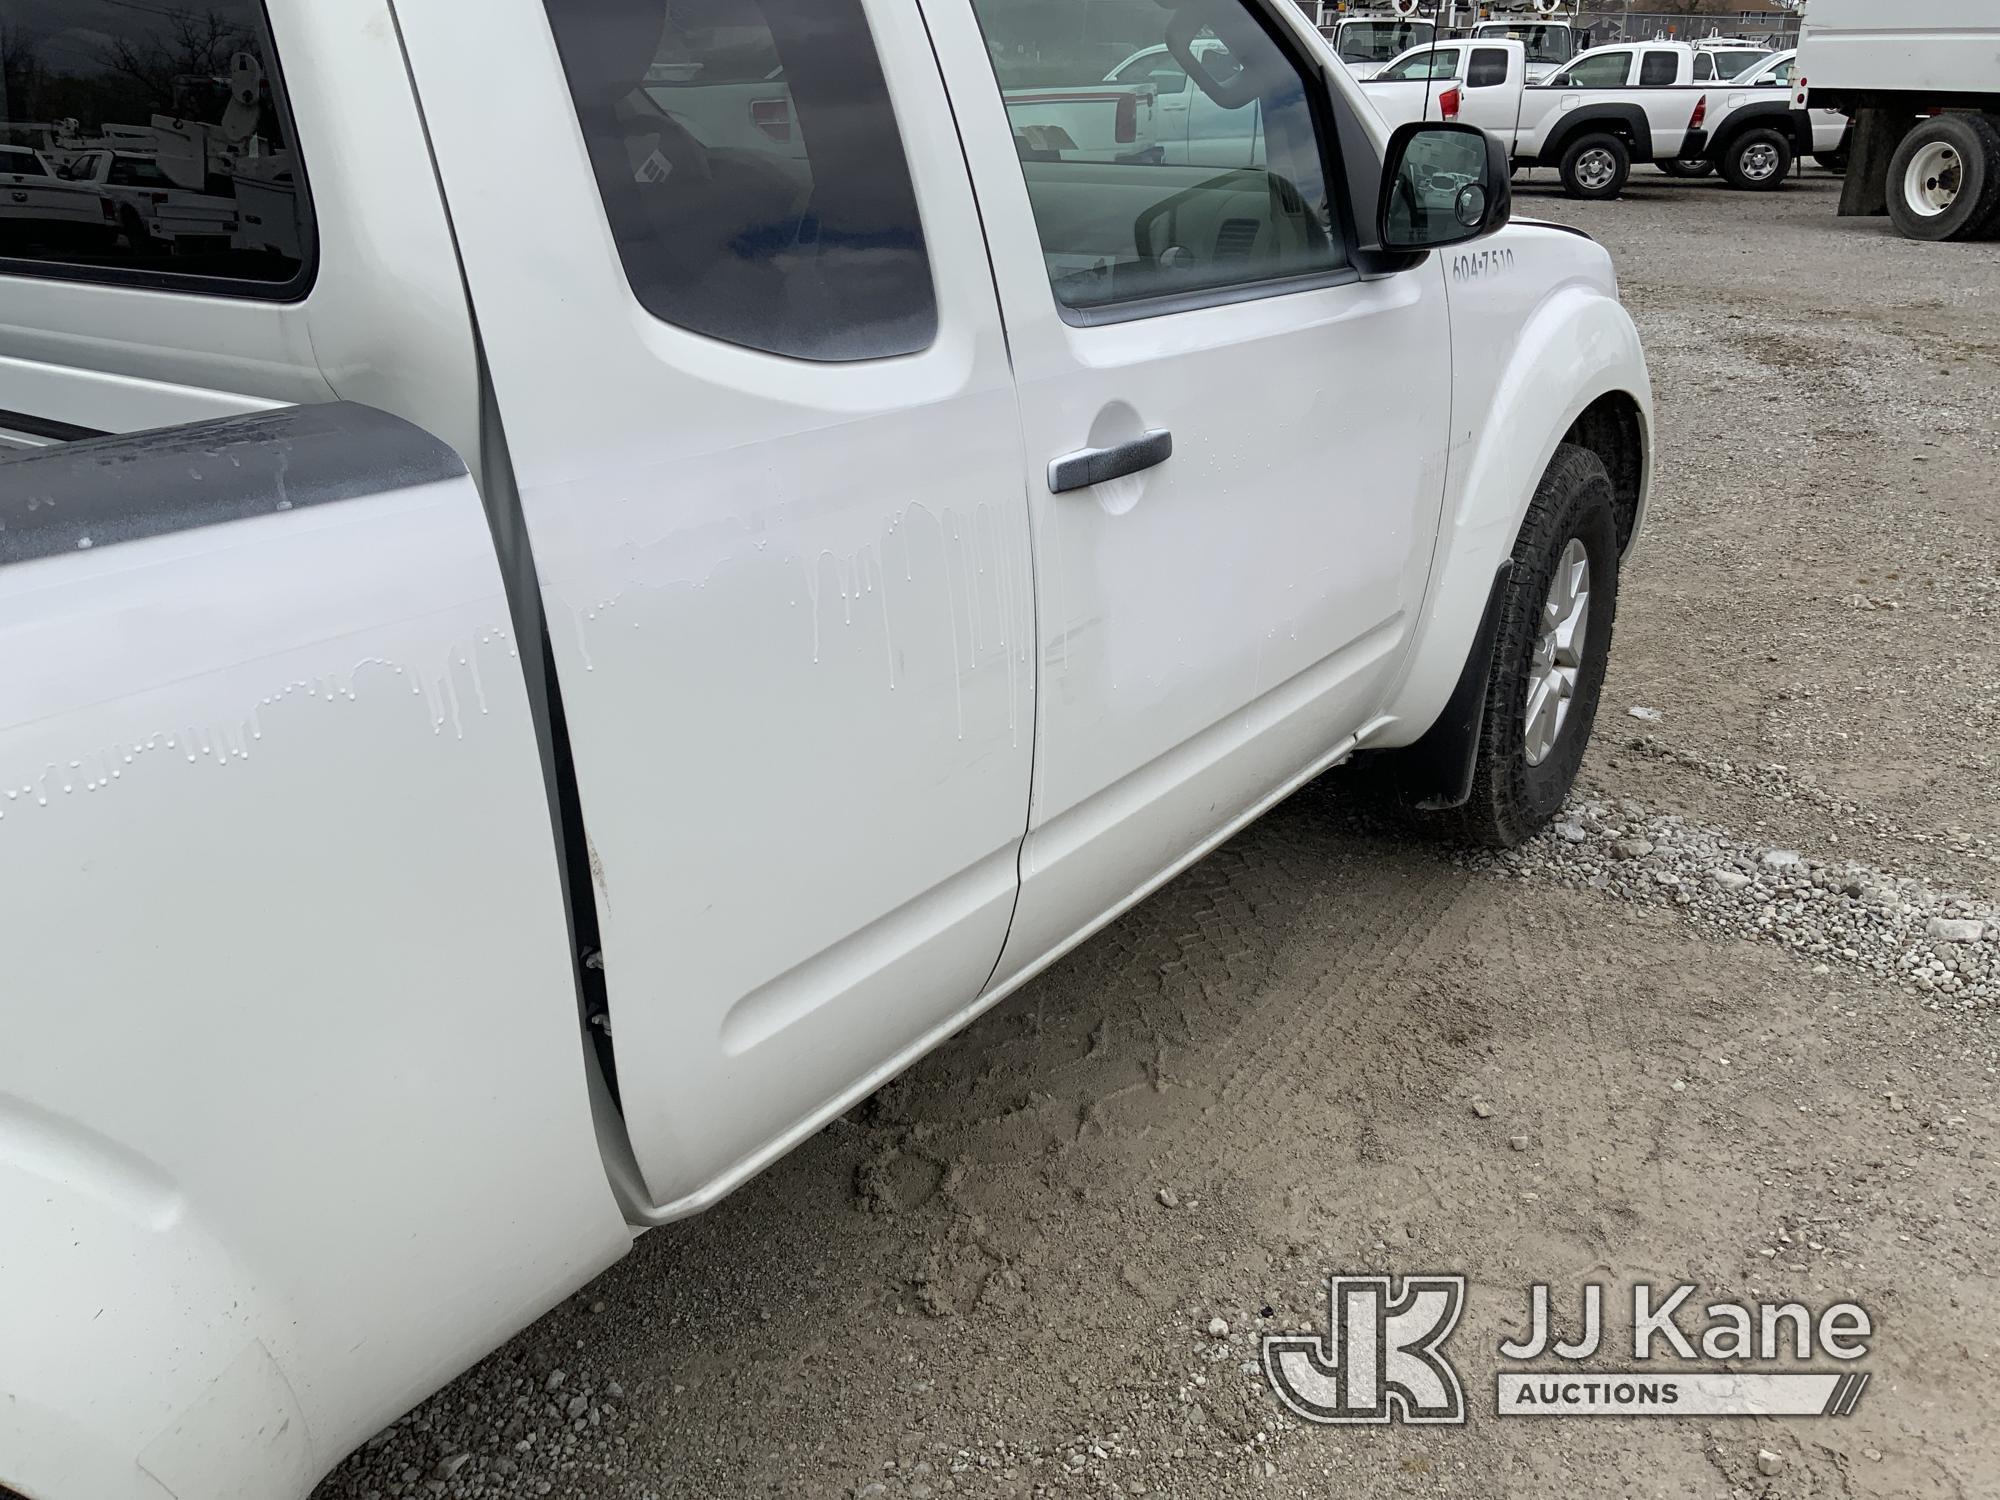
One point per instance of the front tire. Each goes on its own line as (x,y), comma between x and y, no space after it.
(1944,180)
(1758,160)
(1549,654)
(1694,168)
(1596,166)
(1831,161)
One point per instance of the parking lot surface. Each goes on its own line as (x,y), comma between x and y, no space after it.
(1650,1047)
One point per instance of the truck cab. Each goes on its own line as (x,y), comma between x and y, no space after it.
(1547,44)
(1365,44)
(695,562)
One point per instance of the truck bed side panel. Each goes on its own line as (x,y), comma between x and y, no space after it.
(293,1116)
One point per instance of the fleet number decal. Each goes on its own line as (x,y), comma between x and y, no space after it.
(1481,264)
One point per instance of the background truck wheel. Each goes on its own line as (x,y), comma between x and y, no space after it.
(1596,166)
(1757,160)
(1548,656)
(1944,180)
(1832,161)
(1686,168)
(136,234)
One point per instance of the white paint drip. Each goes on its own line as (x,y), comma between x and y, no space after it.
(231,741)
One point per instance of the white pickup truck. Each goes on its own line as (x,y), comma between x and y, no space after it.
(1754,134)
(1146,108)
(1921,82)
(40,209)
(1591,121)
(154,212)
(517,714)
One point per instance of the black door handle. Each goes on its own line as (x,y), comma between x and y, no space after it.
(1088,466)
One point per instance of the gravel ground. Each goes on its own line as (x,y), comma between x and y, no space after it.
(1732,1022)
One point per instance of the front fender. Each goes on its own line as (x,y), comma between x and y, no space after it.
(1519,385)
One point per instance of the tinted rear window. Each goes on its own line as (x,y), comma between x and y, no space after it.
(191,95)
(752,172)
(1488,69)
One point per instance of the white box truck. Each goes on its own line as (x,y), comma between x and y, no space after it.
(1921,81)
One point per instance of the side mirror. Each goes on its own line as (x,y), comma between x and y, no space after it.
(1442,185)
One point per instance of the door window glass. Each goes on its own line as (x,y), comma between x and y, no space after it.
(1600,70)
(1421,67)
(1135,203)
(160,143)
(1704,67)
(751,170)
(1487,69)
(1658,69)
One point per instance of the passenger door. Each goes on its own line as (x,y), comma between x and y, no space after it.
(1608,69)
(1492,100)
(767,446)
(1220,620)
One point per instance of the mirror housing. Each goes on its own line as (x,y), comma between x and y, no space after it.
(1443,184)
(1230,91)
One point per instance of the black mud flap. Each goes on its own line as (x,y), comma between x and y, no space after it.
(1436,772)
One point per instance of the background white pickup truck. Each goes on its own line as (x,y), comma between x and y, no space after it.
(1591,121)
(1366,44)
(522,706)
(39,208)
(1755,136)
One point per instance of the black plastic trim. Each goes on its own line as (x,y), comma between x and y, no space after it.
(1437,771)
(103,491)
(45,427)
(1579,122)
(1195,300)
(1776,113)
(1582,234)
(1079,471)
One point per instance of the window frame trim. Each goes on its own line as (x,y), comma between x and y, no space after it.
(235,288)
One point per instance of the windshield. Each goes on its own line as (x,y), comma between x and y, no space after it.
(1379,41)
(1437,63)
(1545,44)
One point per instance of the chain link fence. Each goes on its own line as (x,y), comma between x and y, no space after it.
(1598,24)
(1606,24)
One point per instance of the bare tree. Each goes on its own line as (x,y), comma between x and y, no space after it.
(20,67)
(192,44)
